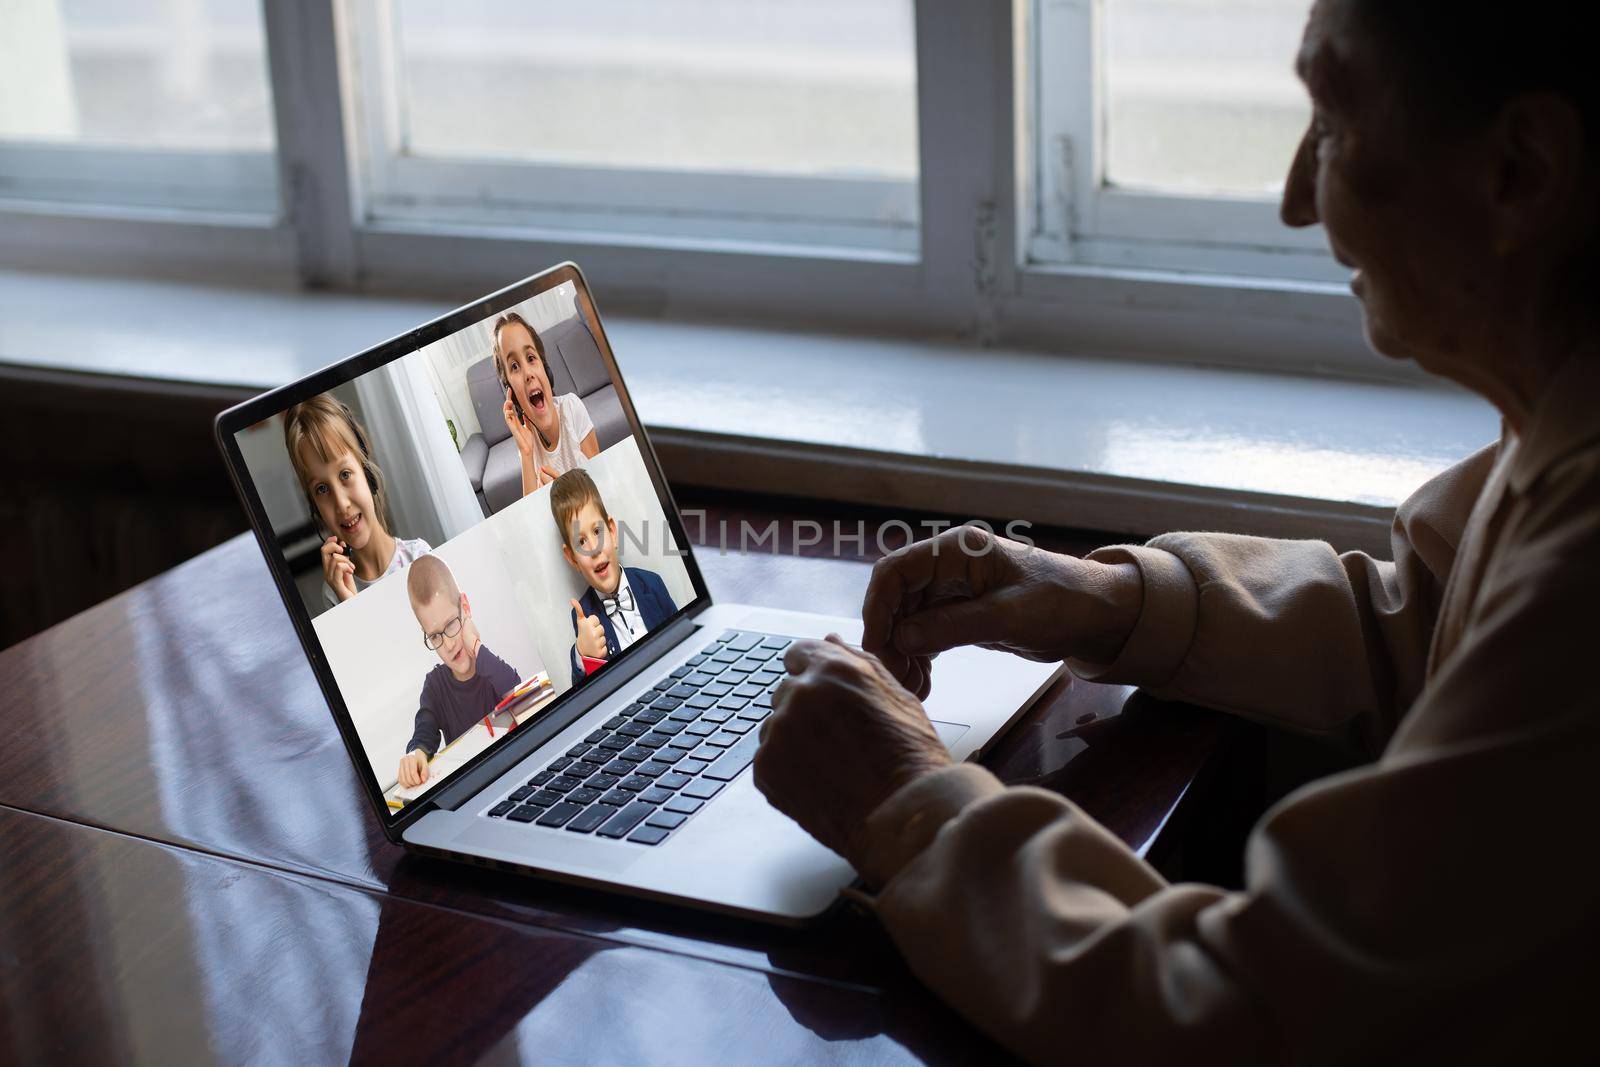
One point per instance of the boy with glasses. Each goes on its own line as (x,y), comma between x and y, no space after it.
(469,680)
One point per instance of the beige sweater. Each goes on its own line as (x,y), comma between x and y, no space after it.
(1441,904)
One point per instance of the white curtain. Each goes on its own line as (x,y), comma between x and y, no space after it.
(429,493)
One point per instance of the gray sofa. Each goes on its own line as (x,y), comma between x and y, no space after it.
(490,457)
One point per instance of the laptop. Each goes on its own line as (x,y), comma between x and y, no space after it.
(484,563)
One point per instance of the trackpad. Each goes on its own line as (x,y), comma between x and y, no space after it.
(950,732)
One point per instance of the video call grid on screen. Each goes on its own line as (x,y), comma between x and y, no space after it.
(422,453)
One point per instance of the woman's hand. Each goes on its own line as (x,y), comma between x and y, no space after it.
(842,716)
(338,569)
(413,768)
(545,475)
(970,587)
(591,635)
(521,433)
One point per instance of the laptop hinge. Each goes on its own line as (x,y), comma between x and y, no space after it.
(542,729)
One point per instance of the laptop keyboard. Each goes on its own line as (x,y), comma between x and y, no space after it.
(649,768)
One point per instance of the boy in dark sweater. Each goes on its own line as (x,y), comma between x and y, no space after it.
(469,680)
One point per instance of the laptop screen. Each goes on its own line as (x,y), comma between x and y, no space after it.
(474,527)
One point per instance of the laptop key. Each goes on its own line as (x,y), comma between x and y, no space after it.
(619,767)
(633,729)
(563,783)
(739,726)
(638,754)
(636,784)
(652,716)
(723,739)
(779,643)
(667,820)
(501,808)
(683,805)
(522,793)
(673,780)
(744,642)
(634,708)
(734,760)
(655,739)
(754,713)
(681,672)
(649,835)
(583,746)
(693,766)
(702,702)
(718,715)
(668,727)
(589,818)
(560,763)
(603,780)
(664,703)
(625,820)
(702,788)
(717,689)
(541,778)
(614,722)
(525,813)
(655,796)
(617,798)
(615,743)
(583,796)
(684,742)
(654,768)
(559,814)
(545,797)
(700,729)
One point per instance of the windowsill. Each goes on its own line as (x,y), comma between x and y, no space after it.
(1098,444)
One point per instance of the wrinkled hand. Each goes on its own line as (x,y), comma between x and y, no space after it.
(843,735)
(970,587)
(413,768)
(521,433)
(338,570)
(591,635)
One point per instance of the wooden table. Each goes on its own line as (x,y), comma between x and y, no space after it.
(191,872)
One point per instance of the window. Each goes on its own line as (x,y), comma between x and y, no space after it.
(1082,175)
(1162,132)
(146,105)
(757,121)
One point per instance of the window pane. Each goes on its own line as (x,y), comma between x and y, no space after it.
(1201,95)
(735,86)
(179,74)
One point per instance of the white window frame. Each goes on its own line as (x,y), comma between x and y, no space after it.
(1076,216)
(975,272)
(879,214)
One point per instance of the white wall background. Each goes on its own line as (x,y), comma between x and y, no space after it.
(374,645)
(448,358)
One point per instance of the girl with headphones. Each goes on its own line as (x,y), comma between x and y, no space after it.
(329,450)
(554,434)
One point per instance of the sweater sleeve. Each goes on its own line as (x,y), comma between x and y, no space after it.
(1292,632)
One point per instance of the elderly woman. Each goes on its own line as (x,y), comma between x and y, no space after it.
(1436,901)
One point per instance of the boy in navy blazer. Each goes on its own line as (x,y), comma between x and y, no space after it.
(622,604)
